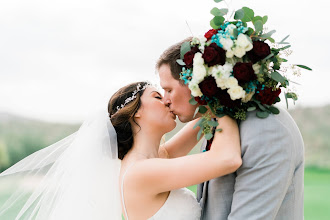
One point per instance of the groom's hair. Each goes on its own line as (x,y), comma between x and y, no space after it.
(169,57)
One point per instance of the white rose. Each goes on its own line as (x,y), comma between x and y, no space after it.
(228,68)
(226,43)
(221,83)
(198,59)
(231,82)
(199,73)
(244,42)
(229,54)
(239,51)
(236,92)
(215,71)
(256,67)
(230,28)
(195,90)
(248,97)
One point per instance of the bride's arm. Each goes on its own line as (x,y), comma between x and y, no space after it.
(182,142)
(160,175)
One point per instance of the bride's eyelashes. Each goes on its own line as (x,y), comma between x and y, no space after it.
(158,97)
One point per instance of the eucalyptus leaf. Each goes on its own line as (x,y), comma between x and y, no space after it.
(261,114)
(208,136)
(295,82)
(274,110)
(250,31)
(212,24)
(271,40)
(257,18)
(220,115)
(248,14)
(269,56)
(268,34)
(284,39)
(304,67)
(291,95)
(239,14)
(217,1)
(219,12)
(185,47)
(193,101)
(213,123)
(252,108)
(199,123)
(218,20)
(277,77)
(261,107)
(199,134)
(219,130)
(235,33)
(180,62)
(284,48)
(202,109)
(264,19)
(258,26)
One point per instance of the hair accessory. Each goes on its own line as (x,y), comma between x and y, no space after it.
(133,96)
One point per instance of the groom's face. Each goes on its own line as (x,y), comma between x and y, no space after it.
(176,95)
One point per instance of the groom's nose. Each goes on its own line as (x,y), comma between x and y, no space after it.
(167,100)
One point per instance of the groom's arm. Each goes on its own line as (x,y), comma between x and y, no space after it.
(266,173)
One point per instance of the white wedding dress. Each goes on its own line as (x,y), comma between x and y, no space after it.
(181,204)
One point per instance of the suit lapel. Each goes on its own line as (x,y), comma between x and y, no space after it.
(204,196)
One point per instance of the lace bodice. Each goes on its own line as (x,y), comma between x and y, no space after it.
(181,204)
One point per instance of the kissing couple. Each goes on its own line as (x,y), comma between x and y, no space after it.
(251,164)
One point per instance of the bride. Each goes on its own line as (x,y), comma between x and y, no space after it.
(114,164)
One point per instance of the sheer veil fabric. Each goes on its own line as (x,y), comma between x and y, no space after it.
(75,178)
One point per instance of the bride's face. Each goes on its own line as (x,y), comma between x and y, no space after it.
(154,113)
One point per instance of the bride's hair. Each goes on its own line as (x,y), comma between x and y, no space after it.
(120,119)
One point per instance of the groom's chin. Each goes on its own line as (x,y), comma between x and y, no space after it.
(185,119)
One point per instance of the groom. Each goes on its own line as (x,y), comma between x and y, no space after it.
(269,184)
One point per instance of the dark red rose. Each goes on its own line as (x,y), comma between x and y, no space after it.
(214,55)
(259,51)
(208,35)
(267,95)
(189,57)
(244,72)
(208,86)
(225,100)
(200,101)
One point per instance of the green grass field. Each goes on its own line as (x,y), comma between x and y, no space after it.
(317,194)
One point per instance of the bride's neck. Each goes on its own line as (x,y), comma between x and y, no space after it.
(146,143)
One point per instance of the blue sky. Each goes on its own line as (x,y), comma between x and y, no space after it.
(61,59)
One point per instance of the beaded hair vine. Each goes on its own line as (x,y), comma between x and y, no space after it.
(139,88)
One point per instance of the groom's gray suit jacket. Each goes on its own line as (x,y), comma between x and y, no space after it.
(269,184)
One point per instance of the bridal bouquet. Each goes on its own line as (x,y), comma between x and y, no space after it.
(236,67)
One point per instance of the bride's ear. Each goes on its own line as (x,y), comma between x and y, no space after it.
(138,114)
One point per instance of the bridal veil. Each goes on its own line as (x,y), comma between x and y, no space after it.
(75,178)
